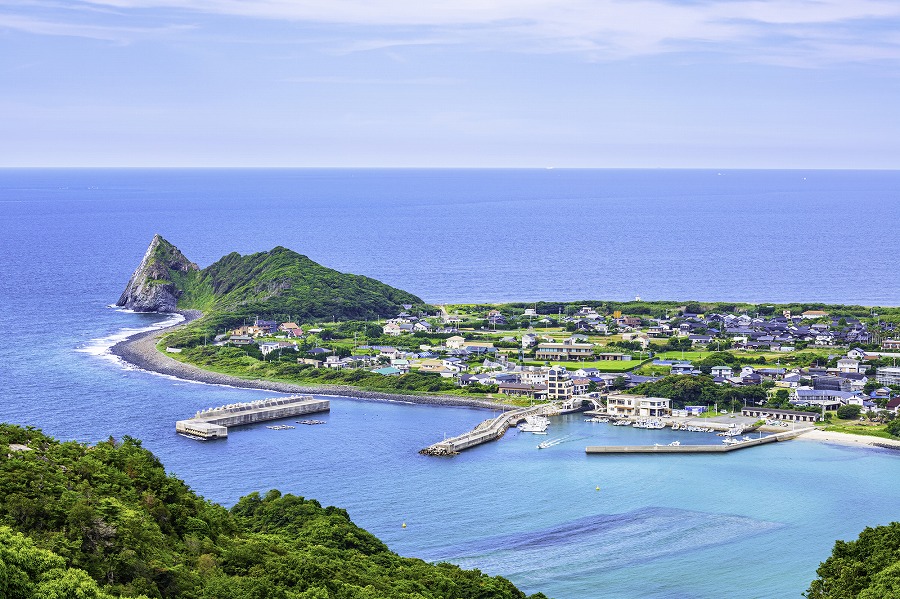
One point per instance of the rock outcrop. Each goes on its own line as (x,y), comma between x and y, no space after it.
(151,287)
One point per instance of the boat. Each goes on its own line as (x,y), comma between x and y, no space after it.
(534,424)
(551,442)
(730,441)
(674,443)
(310,422)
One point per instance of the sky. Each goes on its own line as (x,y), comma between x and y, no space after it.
(453,83)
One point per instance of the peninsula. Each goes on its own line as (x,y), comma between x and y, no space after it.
(279,321)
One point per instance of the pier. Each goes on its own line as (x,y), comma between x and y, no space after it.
(213,423)
(489,430)
(620,449)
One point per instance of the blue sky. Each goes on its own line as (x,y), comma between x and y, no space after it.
(488,83)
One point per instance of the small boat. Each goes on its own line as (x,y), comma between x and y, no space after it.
(534,424)
(674,443)
(730,441)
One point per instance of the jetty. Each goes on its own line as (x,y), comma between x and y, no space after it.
(489,430)
(637,449)
(213,423)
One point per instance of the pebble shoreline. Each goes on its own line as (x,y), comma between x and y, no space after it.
(140,350)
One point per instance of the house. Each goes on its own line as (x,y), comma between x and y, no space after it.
(695,410)
(335,362)
(616,357)
(400,364)
(580,385)
(893,405)
(240,340)
(284,327)
(722,371)
(310,362)
(683,368)
(622,405)
(653,407)
(529,340)
(700,339)
(392,329)
(455,342)
(422,327)
(849,365)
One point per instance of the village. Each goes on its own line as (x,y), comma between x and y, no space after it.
(799,367)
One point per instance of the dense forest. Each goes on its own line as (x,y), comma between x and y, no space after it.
(867,568)
(106,520)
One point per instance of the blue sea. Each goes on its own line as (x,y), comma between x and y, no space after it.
(746,524)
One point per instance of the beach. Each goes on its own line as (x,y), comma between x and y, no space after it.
(140,351)
(850,440)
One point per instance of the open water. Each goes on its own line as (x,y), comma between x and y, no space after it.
(746,524)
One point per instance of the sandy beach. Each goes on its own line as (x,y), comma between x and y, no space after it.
(140,350)
(848,439)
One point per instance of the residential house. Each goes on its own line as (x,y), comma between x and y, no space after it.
(722,371)
(455,342)
(536,391)
(240,340)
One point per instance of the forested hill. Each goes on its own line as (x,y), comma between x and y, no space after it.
(277,282)
(105,520)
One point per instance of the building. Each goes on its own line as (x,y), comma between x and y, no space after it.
(653,407)
(891,344)
(849,365)
(538,391)
(559,384)
(564,351)
(622,405)
(722,371)
(888,376)
(773,414)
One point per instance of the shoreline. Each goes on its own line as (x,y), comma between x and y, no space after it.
(139,350)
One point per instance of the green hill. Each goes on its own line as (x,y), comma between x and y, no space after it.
(105,520)
(277,282)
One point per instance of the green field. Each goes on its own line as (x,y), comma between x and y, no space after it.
(602,365)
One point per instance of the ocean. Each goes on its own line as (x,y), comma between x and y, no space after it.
(749,524)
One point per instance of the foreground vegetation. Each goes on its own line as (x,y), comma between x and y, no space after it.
(102,521)
(868,568)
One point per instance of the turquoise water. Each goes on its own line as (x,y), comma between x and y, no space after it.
(753,523)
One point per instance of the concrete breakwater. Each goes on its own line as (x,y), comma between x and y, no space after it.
(213,423)
(489,430)
(637,449)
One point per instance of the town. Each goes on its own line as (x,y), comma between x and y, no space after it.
(808,366)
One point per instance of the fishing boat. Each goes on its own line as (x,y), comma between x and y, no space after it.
(535,424)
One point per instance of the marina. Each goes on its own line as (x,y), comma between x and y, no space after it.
(213,423)
(493,429)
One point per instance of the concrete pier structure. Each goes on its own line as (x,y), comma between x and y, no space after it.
(213,423)
(620,449)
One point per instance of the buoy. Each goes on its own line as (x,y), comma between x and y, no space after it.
(598,488)
(404,525)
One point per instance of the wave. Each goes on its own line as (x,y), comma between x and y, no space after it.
(101,346)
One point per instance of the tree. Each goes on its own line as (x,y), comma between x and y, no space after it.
(893,427)
(619,383)
(868,568)
(849,412)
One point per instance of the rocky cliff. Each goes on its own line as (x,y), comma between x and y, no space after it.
(278,283)
(151,287)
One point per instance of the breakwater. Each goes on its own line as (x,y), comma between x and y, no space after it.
(639,449)
(489,430)
(213,423)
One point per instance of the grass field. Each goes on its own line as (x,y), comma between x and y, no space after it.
(602,365)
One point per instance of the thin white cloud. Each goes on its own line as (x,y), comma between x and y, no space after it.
(600,29)
(117,34)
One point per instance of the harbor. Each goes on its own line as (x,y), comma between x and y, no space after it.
(491,430)
(213,423)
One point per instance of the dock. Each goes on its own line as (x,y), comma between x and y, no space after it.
(213,423)
(489,430)
(637,449)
